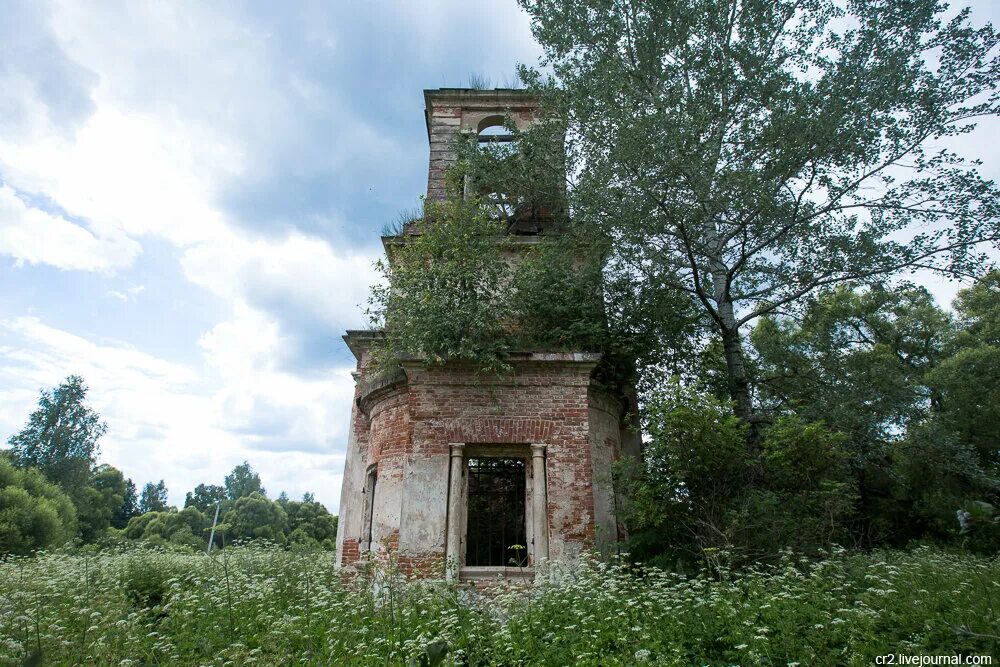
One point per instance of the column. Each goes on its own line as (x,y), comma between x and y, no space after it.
(452,552)
(539,504)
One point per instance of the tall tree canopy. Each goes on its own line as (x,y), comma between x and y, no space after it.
(747,153)
(101,501)
(968,381)
(205,496)
(243,481)
(129,507)
(61,435)
(153,498)
(883,432)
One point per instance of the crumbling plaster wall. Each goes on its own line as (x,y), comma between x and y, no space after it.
(605,448)
(410,427)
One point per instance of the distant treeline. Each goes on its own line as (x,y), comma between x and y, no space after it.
(52,492)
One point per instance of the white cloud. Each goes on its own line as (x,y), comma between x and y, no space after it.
(128,295)
(127,173)
(275,409)
(298,273)
(33,236)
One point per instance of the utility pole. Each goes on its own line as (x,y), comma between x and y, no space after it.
(211,537)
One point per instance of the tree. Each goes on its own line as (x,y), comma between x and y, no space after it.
(61,435)
(255,517)
(34,513)
(444,293)
(857,359)
(747,154)
(153,498)
(243,481)
(310,524)
(186,527)
(968,380)
(129,507)
(100,501)
(205,496)
(693,497)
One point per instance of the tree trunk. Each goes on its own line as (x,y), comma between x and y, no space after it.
(736,375)
(732,344)
(736,372)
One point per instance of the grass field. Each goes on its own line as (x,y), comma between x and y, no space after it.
(263,605)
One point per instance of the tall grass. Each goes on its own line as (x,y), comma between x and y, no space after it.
(264,605)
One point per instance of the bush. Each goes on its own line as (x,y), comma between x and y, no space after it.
(34,513)
(702,490)
(186,527)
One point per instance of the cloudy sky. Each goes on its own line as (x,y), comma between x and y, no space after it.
(190,201)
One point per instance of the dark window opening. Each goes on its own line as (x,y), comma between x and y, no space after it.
(369,506)
(496,520)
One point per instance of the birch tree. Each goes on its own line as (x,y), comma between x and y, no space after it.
(750,152)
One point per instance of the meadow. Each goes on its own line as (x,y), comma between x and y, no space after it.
(265,605)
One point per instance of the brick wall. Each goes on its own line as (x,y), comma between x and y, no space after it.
(544,402)
(351,552)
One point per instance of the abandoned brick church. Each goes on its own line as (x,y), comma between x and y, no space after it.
(448,471)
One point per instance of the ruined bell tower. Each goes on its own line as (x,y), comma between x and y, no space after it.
(447,470)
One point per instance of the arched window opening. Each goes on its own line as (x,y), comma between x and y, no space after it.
(492,129)
(496,140)
(495,134)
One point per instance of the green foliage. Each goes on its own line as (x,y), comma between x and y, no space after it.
(61,435)
(694,464)
(256,517)
(243,481)
(746,156)
(968,381)
(887,370)
(263,605)
(153,498)
(520,181)
(305,524)
(129,507)
(807,494)
(933,475)
(186,528)
(980,526)
(855,359)
(699,492)
(311,524)
(556,301)
(34,513)
(206,496)
(101,501)
(444,290)
(459,288)
(252,517)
